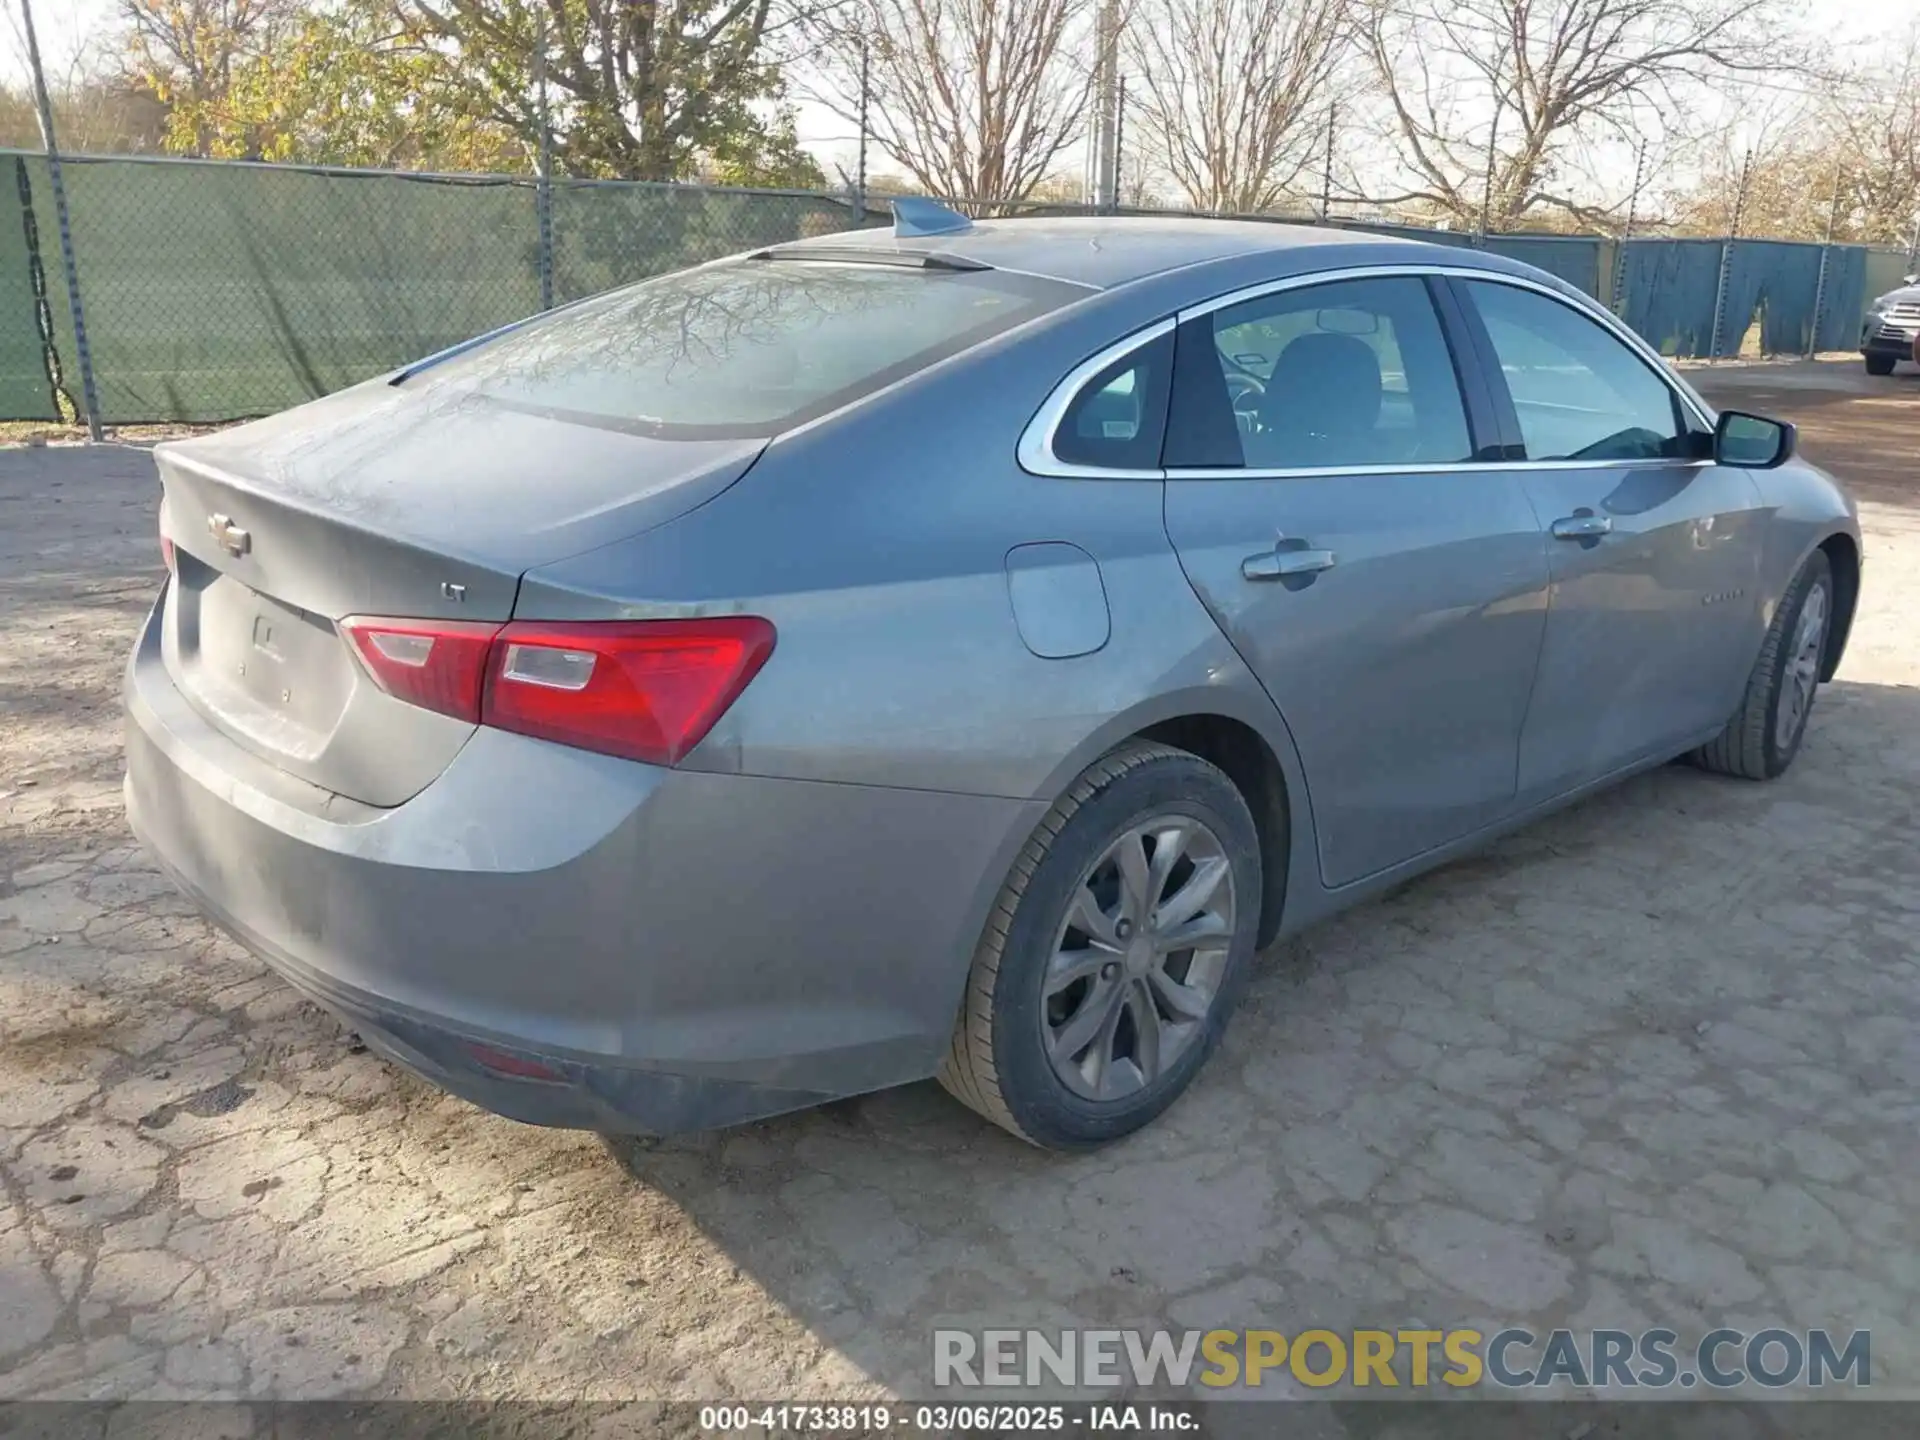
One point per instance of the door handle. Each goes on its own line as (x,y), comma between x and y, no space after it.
(1279,564)
(1582,527)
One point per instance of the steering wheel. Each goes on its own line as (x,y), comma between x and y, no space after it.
(1244,392)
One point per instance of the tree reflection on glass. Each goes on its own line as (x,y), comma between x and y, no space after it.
(742,347)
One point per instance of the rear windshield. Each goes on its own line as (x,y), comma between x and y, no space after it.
(749,347)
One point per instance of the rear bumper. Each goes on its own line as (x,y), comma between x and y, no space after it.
(680,950)
(586,1094)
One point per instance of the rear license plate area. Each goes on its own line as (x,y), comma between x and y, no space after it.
(272,670)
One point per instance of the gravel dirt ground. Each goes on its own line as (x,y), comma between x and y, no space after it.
(1654,1061)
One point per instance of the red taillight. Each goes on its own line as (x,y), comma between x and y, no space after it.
(646,689)
(517,1066)
(436,664)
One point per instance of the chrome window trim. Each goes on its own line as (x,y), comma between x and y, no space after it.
(1580,303)
(1036,441)
(1451,467)
(1035,451)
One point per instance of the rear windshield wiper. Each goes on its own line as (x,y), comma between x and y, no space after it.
(860,255)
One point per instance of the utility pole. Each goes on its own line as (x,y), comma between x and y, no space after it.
(543,183)
(1633,214)
(1326,173)
(860,163)
(1740,195)
(44,105)
(1826,261)
(1726,257)
(1106,132)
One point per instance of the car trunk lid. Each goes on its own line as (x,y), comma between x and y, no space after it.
(380,501)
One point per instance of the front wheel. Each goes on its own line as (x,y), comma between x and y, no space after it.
(1880,364)
(1114,953)
(1764,735)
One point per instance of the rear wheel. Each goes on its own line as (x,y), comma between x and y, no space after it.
(1880,364)
(1764,735)
(1114,954)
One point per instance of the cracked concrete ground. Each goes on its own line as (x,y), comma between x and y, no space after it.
(1653,1061)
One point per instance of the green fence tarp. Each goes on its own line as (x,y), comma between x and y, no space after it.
(1575,260)
(216,290)
(26,392)
(1673,287)
(608,234)
(1669,293)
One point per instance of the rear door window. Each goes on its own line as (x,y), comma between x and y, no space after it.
(1118,418)
(745,348)
(1348,374)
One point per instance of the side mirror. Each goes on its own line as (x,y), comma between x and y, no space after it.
(1753,442)
(1910,280)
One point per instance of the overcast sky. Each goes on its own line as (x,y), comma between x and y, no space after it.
(65,26)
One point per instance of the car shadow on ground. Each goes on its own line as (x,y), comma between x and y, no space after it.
(1478,1100)
(1647,1062)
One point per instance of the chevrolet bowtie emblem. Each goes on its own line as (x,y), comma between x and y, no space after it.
(229,536)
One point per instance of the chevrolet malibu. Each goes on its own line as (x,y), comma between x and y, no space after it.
(948,651)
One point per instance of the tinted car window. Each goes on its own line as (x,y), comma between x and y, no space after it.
(1350,373)
(750,347)
(1579,392)
(1118,418)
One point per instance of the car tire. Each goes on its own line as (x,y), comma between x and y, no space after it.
(1039,979)
(1764,735)
(1881,364)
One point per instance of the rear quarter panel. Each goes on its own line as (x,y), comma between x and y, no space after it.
(876,540)
(877,543)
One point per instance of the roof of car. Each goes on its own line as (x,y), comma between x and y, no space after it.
(1105,251)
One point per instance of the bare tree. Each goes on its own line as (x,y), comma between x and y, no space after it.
(1877,141)
(1232,96)
(976,99)
(1770,172)
(1488,97)
(95,107)
(1844,160)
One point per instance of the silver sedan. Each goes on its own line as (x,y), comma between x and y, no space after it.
(951,651)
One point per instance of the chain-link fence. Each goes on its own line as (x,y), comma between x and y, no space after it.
(32,375)
(215,290)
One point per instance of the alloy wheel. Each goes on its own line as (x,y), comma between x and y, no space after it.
(1803,668)
(1137,960)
